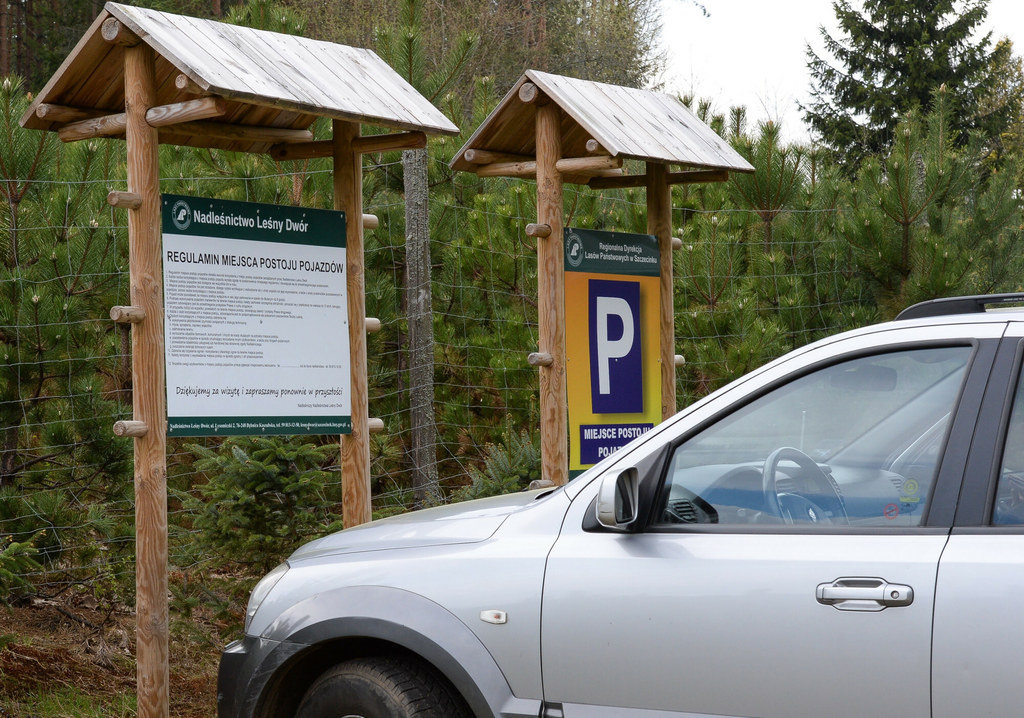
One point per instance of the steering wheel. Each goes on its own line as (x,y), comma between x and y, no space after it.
(811,480)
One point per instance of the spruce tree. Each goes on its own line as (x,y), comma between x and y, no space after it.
(890,57)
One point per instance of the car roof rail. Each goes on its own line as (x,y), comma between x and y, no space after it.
(946,306)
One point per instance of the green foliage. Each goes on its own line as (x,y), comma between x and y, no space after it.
(926,221)
(401,46)
(611,42)
(892,55)
(263,496)
(64,374)
(267,15)
(508,467)
(17,563)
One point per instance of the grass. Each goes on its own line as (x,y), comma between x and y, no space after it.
(68,701)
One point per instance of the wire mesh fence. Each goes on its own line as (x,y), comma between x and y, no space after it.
(66,485)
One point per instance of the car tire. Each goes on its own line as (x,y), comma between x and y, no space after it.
(380,687)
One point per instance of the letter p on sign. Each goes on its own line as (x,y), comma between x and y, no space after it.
(607,348)
(616,369)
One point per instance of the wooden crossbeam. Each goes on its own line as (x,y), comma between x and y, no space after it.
(529,93)
(487,157)
(104,126)
(567,166)
(186,84)
(162,116)
(63,113)
(114,32)
(689,177)
(181,134)
(585,178)
(178,113)
(583,165)
(526,169)
(389,143)
(301,150)
(363,145)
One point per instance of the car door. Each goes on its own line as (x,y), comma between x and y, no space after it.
(785,560)
(979,630)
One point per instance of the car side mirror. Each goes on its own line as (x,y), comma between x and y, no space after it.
(618,500)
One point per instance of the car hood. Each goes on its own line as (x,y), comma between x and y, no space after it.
(466,522)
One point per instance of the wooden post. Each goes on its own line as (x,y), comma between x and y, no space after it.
(420,319)
(659,223)
(355,447)
(554,410)
(148,398)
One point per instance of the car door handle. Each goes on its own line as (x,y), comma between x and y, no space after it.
(864,594)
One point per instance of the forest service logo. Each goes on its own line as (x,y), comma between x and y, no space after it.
(574,250)
(181,214)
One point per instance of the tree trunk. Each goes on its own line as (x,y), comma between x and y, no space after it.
(5,38)
(421,327)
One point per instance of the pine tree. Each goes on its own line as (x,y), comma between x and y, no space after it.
(889,59)
(925,221)
(62,362)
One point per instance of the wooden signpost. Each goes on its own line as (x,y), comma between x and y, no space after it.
(558,129)
(152,78)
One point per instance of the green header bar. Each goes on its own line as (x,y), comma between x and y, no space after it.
(597,252)
(202,217)
(257,425)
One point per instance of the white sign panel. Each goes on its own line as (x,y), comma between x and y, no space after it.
(256,324)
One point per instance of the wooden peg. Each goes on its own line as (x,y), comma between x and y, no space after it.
(677,243)
(594,147)
(375,426)
(130,428)
(127,315)
(539,359)
(538,230)
(680,360)
(124,200)
(373,325)
(370,221)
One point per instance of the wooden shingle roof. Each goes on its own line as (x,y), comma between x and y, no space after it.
(628,123)
(265,79)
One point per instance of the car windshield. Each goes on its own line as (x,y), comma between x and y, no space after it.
(860,412)
(854,442)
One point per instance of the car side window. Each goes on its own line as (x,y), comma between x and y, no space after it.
(856,443)
(1008,509)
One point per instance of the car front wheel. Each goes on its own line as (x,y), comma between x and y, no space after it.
(380,687)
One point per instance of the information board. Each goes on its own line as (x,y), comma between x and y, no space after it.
(256,325)
(613,377)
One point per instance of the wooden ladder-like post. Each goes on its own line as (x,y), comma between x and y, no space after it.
(554,410)
(659,223)
(355,447)
(149,401)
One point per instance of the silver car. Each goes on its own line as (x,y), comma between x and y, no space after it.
(840,533)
